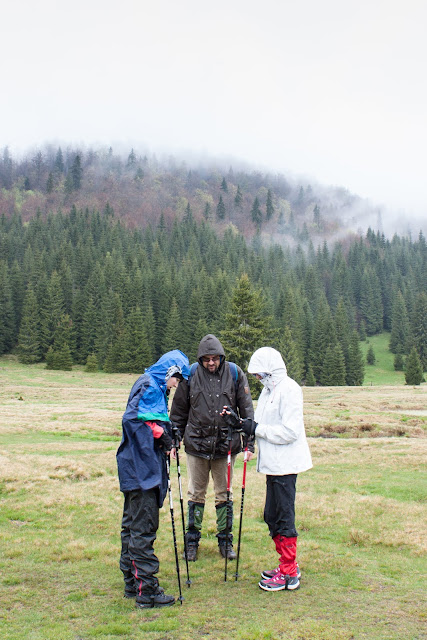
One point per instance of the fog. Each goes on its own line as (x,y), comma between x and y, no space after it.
(331,91)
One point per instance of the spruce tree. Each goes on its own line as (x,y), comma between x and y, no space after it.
(398,362)
(333,370)
(362,331)
(246,326)
(59,162)
(324,336)
(220,209)
(256,213)
(293,317)
(370,356)
(91,363)
(29,341)
(51,311)
(137,353)
(76,173)
(339,367)
(400,330)
(116,360)
(371,302)
(7,315)
(291,355)
(18,287)
(59,353)
(419,328)
(310,380)
(207,211)
(238,198)
(316,216)
(327,368)
(269,207)
(342,329)
(88,335)
(414,370)
(173,330)
(50,183)
(64,360)
(356,370)
(51,359)
(150,329)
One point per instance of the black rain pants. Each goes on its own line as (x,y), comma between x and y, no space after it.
(279,511)
(140,522)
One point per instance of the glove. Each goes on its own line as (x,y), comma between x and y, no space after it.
(165,441)
(231,418)
(176,436)
(248,426)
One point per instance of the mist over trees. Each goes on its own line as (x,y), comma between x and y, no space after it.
(141,188)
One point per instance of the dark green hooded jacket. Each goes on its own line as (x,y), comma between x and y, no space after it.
(197,405)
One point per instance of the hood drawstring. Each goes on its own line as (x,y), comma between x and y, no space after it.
(273,392)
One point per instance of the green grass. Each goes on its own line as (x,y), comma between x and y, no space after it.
(361,516)
(382,372)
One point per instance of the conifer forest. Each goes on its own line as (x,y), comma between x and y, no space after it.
(91,277)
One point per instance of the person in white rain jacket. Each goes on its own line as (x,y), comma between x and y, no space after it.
(283,452)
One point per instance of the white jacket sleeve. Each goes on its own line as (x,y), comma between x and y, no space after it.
(289,422)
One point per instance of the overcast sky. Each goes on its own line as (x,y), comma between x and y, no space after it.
(333,89)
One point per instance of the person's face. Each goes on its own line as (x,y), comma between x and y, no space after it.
(211,363)
(172,383)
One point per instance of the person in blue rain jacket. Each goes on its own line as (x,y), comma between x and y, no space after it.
(141,462)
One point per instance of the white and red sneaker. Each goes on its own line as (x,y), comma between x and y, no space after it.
(279,582)
(272,572)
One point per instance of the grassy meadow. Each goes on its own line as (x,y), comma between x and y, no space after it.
(361,515)
(382,372)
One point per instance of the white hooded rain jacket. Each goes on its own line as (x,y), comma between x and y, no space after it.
(280,434)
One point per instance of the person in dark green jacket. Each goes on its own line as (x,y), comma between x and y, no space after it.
(196,411)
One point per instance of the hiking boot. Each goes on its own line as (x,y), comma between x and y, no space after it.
(191,553)
(230,552)
(266,575)
(153,600)
(280,582)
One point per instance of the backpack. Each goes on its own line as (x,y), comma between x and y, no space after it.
(233,370)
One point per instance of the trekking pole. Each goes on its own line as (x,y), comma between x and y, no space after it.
(227,509)
(188,581)
(245,460)
(173,528)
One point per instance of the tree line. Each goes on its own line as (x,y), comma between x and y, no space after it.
(81,287)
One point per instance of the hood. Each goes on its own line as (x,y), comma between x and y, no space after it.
(159,369)
(268,360)
(210,346)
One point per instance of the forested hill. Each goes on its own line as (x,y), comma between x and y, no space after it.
(82,287)
(141,189)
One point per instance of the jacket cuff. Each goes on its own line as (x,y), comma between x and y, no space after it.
(156,429)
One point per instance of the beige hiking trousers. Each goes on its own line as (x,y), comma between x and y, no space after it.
(198,478)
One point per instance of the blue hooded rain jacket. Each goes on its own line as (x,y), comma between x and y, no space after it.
(141,463)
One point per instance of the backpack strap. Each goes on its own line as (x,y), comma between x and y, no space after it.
(234,373)
(192,370)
